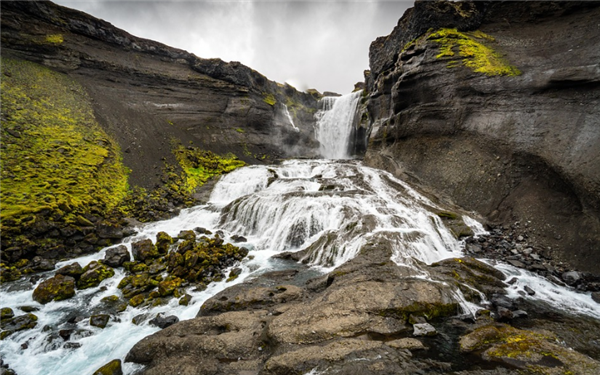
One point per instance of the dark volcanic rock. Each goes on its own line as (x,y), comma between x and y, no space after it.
(512,148)
(164,322)
(56,288)
(116,256)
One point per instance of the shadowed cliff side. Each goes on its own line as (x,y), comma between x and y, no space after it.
(145,93)
(496,106)
(98,124)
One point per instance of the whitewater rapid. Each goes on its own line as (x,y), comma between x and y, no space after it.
(328,209)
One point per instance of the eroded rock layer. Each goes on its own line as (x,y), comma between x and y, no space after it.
(496,106)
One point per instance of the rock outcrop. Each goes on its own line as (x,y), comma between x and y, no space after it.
(98,123)
(495,105)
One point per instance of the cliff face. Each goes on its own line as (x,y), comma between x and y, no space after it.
(91,113)
(146,94)
(497,106)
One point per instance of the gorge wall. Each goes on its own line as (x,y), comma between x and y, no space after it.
(144,93)
(92,114)
(496,105)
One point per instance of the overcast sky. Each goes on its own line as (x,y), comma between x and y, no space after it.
(309,44)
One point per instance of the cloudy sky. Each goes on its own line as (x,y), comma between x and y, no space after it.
(307,43)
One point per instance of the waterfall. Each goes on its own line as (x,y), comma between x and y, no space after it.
(335,122)
(326,209)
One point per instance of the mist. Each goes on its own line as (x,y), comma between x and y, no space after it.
(308,44)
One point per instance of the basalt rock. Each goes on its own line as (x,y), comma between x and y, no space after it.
(512,144)
(56,288)
(116,256)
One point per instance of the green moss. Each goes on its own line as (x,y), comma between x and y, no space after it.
(57,162)
(111,368)
(269,99)
(473,47)
(55,39)
(239,130)
(200,165)
(93,274)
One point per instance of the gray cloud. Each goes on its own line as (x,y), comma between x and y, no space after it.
(309,44)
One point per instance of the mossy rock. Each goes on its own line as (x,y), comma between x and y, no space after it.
(163,242)
(168,286)
(185,300)
(20,323)
(6,313)
(9,273)
(137,300)
(144,250)
(470,273)
(99,320)
(56,288)
(111,368)
(534,352)
(93,274)
(74,270)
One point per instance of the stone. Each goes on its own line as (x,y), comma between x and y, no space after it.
(504,313)
(116,256)
(596,296)
(424,329)
(74,270)
(571,278)
(185,300)
(56,288)
(93,274)
(111,368)
(19,323)
(164,322)
(6,313)
(100,320)
(529,291)
(236,239)
(143,250)
(406,343)
(516,263)
(163,242)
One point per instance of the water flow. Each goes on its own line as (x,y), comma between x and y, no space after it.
(335,124)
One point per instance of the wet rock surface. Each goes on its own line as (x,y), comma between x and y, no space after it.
(363,318)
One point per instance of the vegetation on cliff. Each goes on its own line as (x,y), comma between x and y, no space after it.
(477,56)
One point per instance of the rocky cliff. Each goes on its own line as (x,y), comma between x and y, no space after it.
(97,123)
(496,106)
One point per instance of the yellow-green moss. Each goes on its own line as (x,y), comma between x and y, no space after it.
(239,130)
(55,156)
(200,165)
(54,39)
(269,99)
(473,47)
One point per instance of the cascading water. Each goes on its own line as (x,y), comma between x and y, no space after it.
(335,123)
(328,208)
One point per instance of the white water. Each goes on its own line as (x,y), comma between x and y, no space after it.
(331,208)
(289,118)
(334,125)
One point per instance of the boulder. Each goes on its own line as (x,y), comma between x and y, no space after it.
(424,329)
(530,351)
(164,322)
(100,320)
(15,324)
(111,368)
(116,256)
(143,250)
(163,242)
(74,270)
(93,274)
(56,288)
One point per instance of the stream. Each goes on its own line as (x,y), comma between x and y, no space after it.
(328,208)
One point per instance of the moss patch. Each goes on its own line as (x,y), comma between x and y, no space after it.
(200,165)
(54,39)
(269,99)
(54,154)
(475,50)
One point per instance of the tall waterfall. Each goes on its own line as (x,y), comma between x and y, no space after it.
(335,123)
